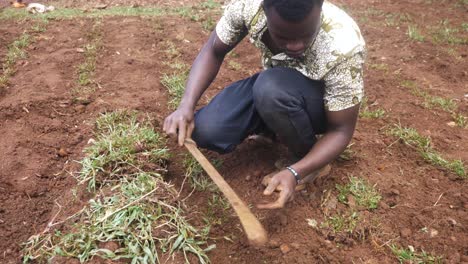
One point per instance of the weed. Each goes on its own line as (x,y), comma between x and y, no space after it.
(196,176)
(414,34)
(364,111)
(216,213)
(444,33)
(120,141)
(175,84)
(365,194)
(85,83)
(16,51)
(422,144)
(460,120)
(379,66)
(210,4)
(431,101)
(209,24)
(134,209)
(348,153)
(341,223)
(411,256)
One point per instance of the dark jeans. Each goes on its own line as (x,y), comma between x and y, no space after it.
(281,100)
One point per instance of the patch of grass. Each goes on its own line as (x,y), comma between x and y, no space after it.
(431,101)
(460,120)
(444,33)
(414,34)
(187,12)
(120,141)
(209,24)
(85,83)
(348,154)
(175,84)
(379,66)
(196,176)
(217,211)
(134,209)
(341,222)
(423,145)
(365,112)
(366,195)
(409,255)
(210,4)
(16,51)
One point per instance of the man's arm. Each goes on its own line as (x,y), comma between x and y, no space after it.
(340,129)
(203,71)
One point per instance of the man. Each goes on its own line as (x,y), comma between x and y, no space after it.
(313,55)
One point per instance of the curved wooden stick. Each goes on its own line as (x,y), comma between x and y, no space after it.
(253,228)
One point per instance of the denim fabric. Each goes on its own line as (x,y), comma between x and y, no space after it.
(281,100)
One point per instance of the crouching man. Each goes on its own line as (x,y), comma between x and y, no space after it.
(313,55)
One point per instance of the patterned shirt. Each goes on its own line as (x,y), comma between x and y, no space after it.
(336,56)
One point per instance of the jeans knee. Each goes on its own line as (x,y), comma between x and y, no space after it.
(272,91)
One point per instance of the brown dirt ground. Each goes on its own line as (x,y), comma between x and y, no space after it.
(38,118)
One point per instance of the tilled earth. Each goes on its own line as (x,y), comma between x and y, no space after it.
(44,130)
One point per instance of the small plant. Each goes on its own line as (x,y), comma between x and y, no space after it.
(348,153)
(366,195)
(414,34)
(409,255)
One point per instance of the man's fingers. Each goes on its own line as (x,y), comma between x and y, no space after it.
(172,130)
(280,203)
(274,182)
(182,132)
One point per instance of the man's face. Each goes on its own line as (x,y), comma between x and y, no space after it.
(293,38)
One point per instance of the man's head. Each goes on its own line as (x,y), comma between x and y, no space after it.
(293,24)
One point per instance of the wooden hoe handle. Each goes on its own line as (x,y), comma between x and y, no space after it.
(253,228)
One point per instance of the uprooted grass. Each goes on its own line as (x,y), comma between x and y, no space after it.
(134,207)
(423,145)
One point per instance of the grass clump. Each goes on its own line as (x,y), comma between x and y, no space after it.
(366,195)
(341,223)
(175,84)
(409,255)
(16,51)
(134,208)
(444,33)
(423,145)
(365,112)
(414,34)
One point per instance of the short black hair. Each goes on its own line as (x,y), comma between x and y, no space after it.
(292,10)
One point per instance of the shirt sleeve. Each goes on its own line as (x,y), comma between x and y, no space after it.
(231,25)
(344,84)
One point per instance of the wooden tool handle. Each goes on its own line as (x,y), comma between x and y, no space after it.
(253,228)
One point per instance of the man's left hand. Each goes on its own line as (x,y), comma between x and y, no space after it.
(287,182)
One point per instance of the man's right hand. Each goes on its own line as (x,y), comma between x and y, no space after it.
(180,124)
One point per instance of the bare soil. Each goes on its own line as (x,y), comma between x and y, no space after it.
(43,132)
